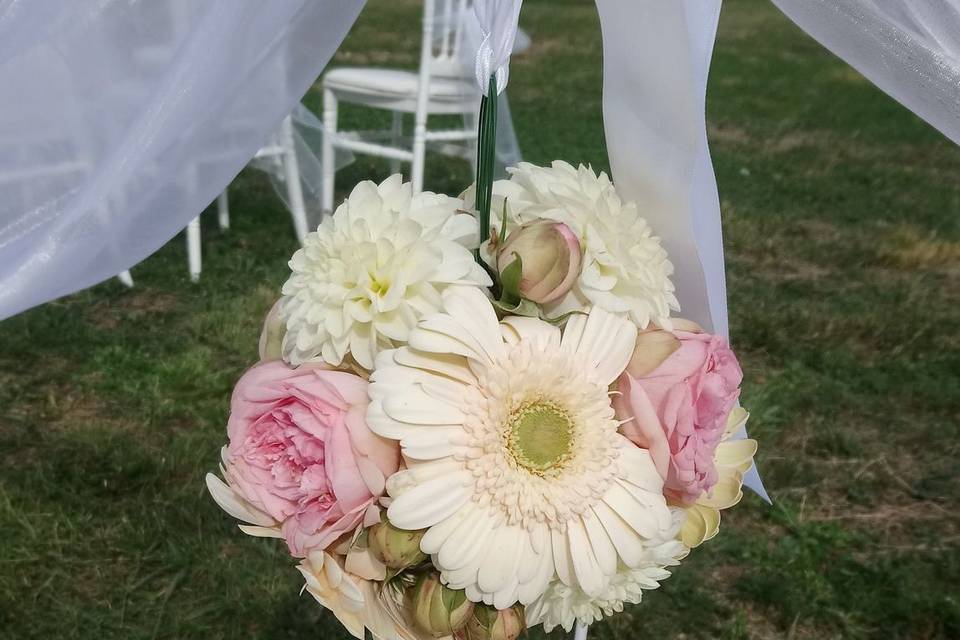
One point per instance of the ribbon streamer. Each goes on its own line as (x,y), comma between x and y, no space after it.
(656,59)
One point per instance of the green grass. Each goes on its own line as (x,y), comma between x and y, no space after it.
(842,223)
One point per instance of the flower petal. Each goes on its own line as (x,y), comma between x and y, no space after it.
(625,539)
(562,559)
(472,310)
(465,545)
(449,365)
(500,567)
(517,328)
(726,493)
(603,548)
(585,566)
(435,537)
(640,517)
(736,453)
(235,505)
(416,407)
(430,502)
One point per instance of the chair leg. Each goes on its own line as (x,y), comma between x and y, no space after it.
(223,210)
(291,171)
(329,135)
(419,151)
(396,133)
(125,279)
(193,249)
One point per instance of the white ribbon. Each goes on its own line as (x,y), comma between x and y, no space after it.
(498,26)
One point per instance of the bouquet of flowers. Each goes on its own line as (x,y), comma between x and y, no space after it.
(464,426)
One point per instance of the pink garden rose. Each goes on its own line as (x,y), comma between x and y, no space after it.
(301,451)
(679,407)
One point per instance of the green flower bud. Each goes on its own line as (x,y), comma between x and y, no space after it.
(488,623)
(271,337)
(437,610)
(396,548)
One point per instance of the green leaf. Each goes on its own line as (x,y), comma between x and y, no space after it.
(503,225)
(510,278)
(559,320)
(522,307)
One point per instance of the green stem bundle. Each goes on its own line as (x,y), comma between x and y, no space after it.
(486,153)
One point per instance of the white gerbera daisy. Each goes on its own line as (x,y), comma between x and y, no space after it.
(373,269)
(563,605)
(625,269)
(514,462)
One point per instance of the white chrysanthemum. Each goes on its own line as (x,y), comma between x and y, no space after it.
(563,605)
(514,462)
(373,269)
(625,269)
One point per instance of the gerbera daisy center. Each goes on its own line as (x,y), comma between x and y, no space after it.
(540,436)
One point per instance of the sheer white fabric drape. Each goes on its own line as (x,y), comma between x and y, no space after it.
(120,120)
(908,48)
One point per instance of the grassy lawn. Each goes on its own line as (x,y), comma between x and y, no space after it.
(842,223)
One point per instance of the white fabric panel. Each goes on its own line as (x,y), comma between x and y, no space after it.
(121,120)
(908,48)
(655,61)
(656,58)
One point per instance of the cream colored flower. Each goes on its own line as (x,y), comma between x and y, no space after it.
(257,522)
(357,603)
(733,458)
(625,269)
(563,605)
(515,464)
(366,276)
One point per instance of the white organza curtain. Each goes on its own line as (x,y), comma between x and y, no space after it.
(908,48)
(120,120)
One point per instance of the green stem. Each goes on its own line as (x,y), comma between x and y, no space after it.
(486,153)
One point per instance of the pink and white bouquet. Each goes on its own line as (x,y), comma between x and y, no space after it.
(463,431)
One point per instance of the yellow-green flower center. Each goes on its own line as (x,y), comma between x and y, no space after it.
(540,436)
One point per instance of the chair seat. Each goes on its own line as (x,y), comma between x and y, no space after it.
(396,84)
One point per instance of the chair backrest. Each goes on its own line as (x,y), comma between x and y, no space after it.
(444,26)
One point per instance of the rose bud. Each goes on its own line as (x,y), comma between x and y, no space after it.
(396,548)
(488,623)
(437,610)
(550,255)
